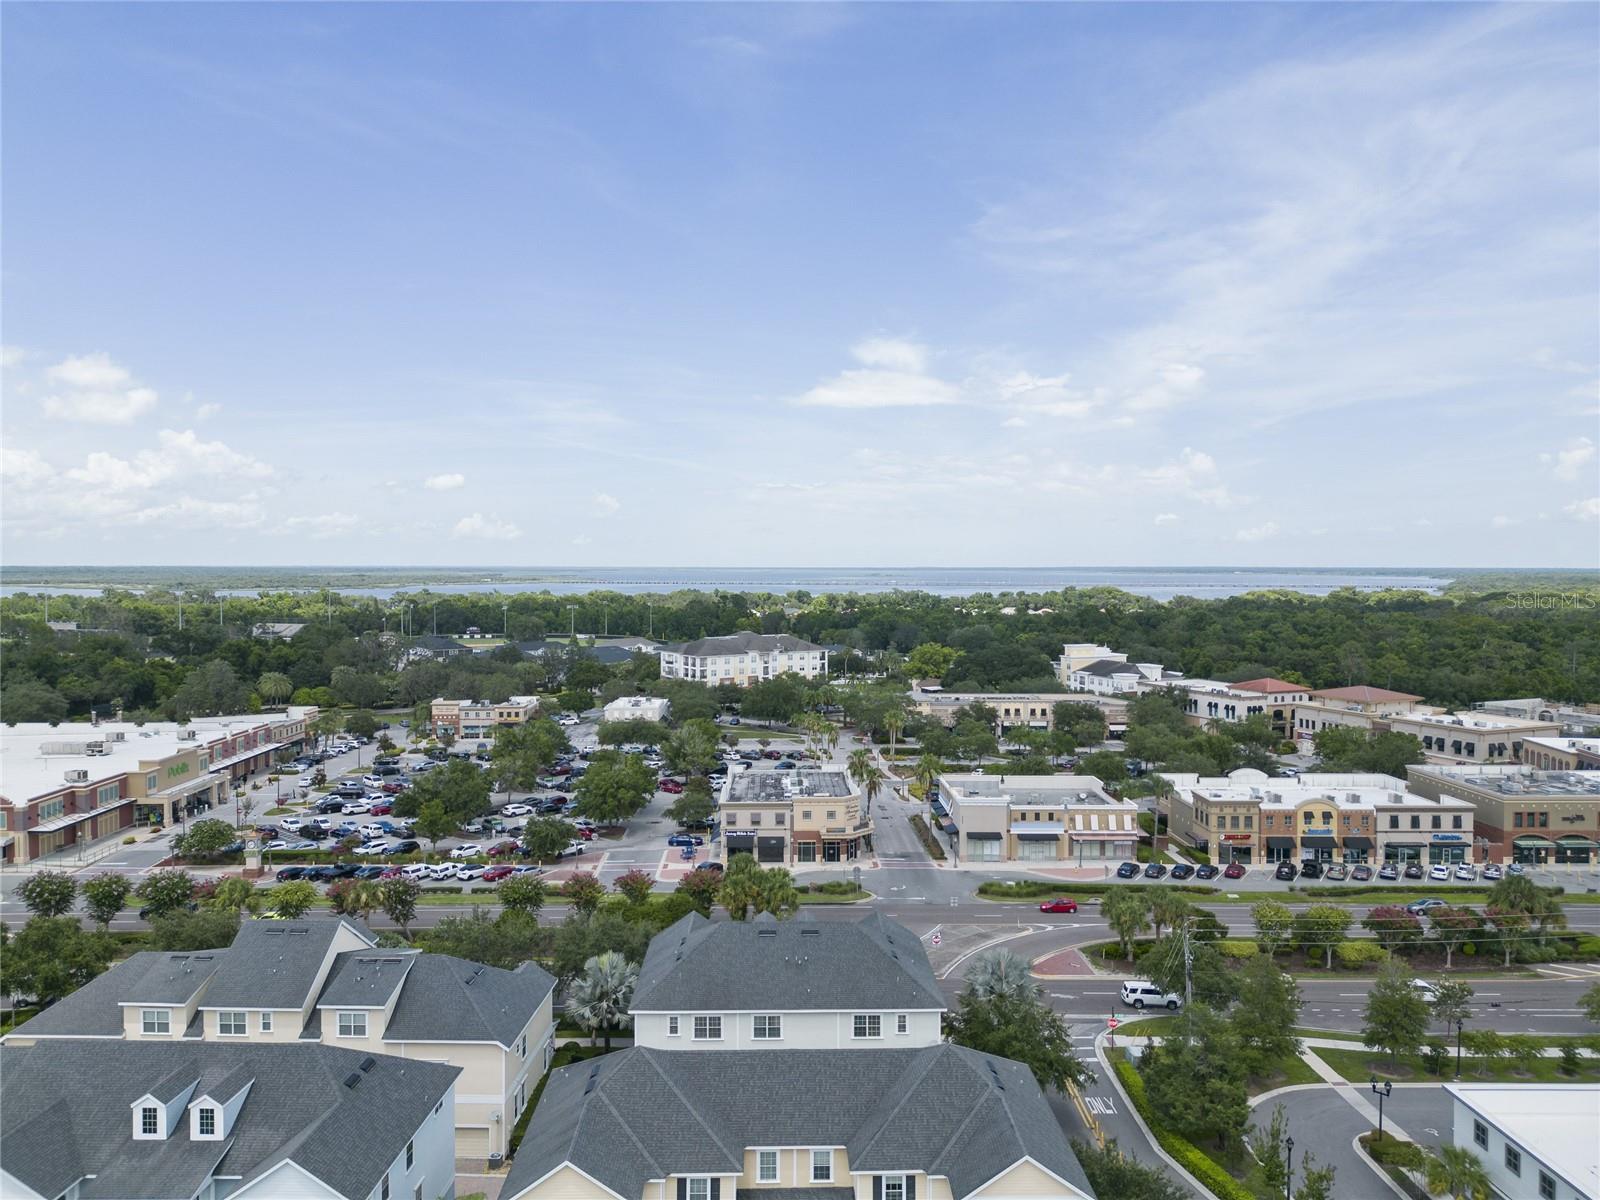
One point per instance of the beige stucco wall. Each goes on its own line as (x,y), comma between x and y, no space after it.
(794,1169)
(1026,1179)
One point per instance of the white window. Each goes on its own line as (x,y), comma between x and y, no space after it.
(150,1121)
(766,1166)
(266,1022)
(352,1024)
(672,1026)
(894,1187)
(522,1049)
(231,1024)
(867,1025)
(700,1188)
(208,1122)
(768,1028)
(411,1154)
(822,1166)
(707,1029)
(157,1020)
(901,1023)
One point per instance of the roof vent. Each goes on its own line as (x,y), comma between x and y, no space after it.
(766,933)
(811,933)
(352,1079)
(998,1082)
(594,1076)
(297,931)
(471,979)
(368,1063)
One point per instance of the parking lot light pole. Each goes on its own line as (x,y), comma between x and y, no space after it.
(1458,1048)
(1288,1172)
(1382,1092)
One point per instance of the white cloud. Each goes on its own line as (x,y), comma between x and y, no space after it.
(24,468)
(94,390)
(1585,510)
(891,354)
(1165,518)
(190,512)
(204,412)
(871,388)
(582,539)
(485,528)
(1258,533)
(12,356)
(605,505)
(1192,474)
(444,483)
(178,456)
(1501,521)
(1567,462)
(324,525)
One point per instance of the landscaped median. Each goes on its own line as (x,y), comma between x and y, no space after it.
(1211,1174)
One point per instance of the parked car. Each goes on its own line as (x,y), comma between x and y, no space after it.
(1493,871)
(1389,870)
(1286,870)
(497,873)
(370,871)
(572,848)
(1141,993)
(1233,870)
(444,870)
(372,781)
(1466,871)
(381,810)
(1336,872)
(416,871)
(710,866)
(774,754)
(1310,869)
(1425,991)
(527,869)
(670,786)
(469,871)
(1128,870)
(405,846)
(1421,908)
(783,765)
(371,848)
(289,873)
(1155,870)
(1360,873)
(679,839)
(466,850)
(1413,871)
(1205,871)
(292,824)
(1059,905)
(1182,871)
(356,808)
(518,810)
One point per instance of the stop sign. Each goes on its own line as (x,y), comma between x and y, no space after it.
(936,939)
(1111,1022)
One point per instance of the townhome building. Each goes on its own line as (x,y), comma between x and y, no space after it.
(1521,814)
(743,659)
(801,984)
(1100,670)
(1013,710)
(188,1120)
(796,817)
(1033,818)
(325,981)
(65,787)
(799,1060)
(468,720)
(1250,817)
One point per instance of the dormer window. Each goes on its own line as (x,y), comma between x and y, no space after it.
(206,1122)
(156,1021)
(149,1121)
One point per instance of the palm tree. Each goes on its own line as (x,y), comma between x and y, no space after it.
(776,894)
(274,687)
(236,893)
(927,770)
(741,887)
(1128,914)
(1167,908)
(859,763)
(601,996)
(1001,973)
(872,781)
(893,722)
(1458,1173)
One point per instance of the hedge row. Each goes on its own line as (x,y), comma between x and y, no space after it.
(925,836)
(1234,949)
(1030,889)
(1359,953)
(1188,1155)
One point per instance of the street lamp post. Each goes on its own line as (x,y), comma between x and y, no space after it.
(1382,1092)
(572,622)
(1458,1048)
(1288,1172)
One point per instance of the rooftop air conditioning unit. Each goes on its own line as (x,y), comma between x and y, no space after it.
(186,735)
(78,776)
(96,748)
(117,736)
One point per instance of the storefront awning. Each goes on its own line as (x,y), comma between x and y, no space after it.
(1406,845)
(806,835)
(66,819)
(1105,835)
(1357,843)
(1318,841)
(1576,839)
(948,827)
(982,837)
(1280,843)
(1531,840)
(1024,828)
(1038,837)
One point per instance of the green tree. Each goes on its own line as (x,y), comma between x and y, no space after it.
(581,937)
(1393,926)
(1452,927)
(692,748)
(1111,1173)
(1127,912)
(459,786)
(584,892)
(1589,1003)
(398,899)
(234,893)
(1168,909)
(274,688)
(868,774)
(48,893)
(600,997)
(1001,973)
(1396,1018)
(523,893)
(50,957)
(701,887)
(1320,929)
(1023,1029)
(930,661)
(505,941)
(1264,1019)
(776,893)
(358,689)
(209,689)
(1104,766)
(635,885)
(205,929)
(1457,1172)
(522,753)
(434,823)
(105,896)
(1266,1147)
(294,899)
(165,890)
(1196,1084)
(614,788)
(544,838)
(927,770)
(694,805)
(748,887)
(1085,723)
(1509,925)
(1316,1183)
(205,838)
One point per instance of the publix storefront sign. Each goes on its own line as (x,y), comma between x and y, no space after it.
(178,770)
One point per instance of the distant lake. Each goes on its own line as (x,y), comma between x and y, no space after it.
(1160,583)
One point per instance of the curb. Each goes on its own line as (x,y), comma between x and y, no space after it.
(1375,1167)
(1138,1119)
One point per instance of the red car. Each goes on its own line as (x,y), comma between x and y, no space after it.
(586,834)
(381,810)
(496,874)
(1059,906)
(561,769)
(1233,871)
(392,789)
(391,873)
(671,786)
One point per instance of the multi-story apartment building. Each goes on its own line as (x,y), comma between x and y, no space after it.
(637,708)
(786,985)
(743,659)
(1470,737)
(1034,818)
(1521,814)
(468,720)
(1032,710)
(67,786)
(1208,702)
(1249,817)
(326,981)
(181,1120)
(1086,667)
(793,817)
(798,1060)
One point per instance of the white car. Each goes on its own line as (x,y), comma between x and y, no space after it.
(517,810)
(470,872)
(1493,871)
(292,823)
(416,871)
(1466,871)
(373,830)
(584,823)
(372,781)
(442,870)
(275,844)
(1141,993)
(356,808)
(527,869)
(654,761)
(467,850)
(372,848)
(1439,872)
(1425,991)
(573,848)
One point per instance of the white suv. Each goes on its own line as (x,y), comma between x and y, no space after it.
(1141,993)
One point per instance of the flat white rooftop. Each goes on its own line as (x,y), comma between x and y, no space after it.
(1029,789)
(1559,1124)
(1339,789)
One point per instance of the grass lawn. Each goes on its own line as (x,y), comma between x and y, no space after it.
(1169,1023)
(831,898)
(1360,1065)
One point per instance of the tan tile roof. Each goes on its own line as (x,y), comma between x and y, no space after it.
(1269,684)
(1363,694)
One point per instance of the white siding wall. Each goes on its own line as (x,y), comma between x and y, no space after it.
(1494,1161)
(801,1031)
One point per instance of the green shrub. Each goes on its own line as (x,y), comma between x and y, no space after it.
(1199,856)
(1238,949)
(1033,889)
(1358,953)
(1393,1151)
(1184,1152)
(925,836)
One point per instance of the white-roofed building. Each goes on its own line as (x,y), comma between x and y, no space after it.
(637,708)
(1536,1140)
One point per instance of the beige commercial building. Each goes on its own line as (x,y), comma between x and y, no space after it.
(1208,702)
(1034,818)
(793,817)
(1521,814)
(1032,710)
(1100,670)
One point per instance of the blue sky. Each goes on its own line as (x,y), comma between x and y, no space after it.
(802,285)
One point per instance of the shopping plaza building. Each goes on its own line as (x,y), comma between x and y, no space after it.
(1520,814)
(1250,817)
(65,786)
(1033,818)
(793,817)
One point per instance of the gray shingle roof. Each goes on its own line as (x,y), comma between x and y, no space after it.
(299,1108)
(449,999)
(173,978)
(1108,668)
(741,643)
(698,965)
(92,1010)
(365,978)
(274,964)
(643,1114)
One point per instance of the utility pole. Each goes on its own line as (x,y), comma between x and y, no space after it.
(505,618)
(1188,975)
(572,622)
(435,618)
